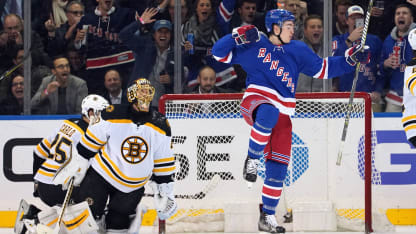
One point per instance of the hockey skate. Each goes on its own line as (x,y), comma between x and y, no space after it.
(250,170)
(26,215)
(268,223)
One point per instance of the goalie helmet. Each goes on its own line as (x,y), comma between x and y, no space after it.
(140,94)
(96,103)
(412,38)
(277,16)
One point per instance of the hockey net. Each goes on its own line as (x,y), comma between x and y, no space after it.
(210,141)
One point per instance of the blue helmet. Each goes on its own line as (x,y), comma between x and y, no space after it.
(277,16)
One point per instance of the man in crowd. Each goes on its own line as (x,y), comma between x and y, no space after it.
(206,82)
(312,37)
(368,78)
(113,92)
(396,53)
(61,92)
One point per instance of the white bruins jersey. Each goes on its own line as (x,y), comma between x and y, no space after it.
(409,101)
(128,154)
(56,148)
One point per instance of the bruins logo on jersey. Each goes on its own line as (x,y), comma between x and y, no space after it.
(109,108)
(134,149)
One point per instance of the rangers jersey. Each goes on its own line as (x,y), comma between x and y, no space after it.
(273,70)
(56,149)
(125,153)
(409,100)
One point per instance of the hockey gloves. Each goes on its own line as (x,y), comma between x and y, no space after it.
(357,54)
(164,199)
(246,34)
(76,168)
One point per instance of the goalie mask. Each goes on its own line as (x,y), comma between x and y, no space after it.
(140,94)
(96,103)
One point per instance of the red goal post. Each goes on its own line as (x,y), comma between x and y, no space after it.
(209,135)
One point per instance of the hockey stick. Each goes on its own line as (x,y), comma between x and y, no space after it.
(200,195)
(354,85)
(208,188)
(67,195)
(11,70)
(64,205)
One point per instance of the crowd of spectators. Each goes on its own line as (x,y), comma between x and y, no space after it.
(79,47)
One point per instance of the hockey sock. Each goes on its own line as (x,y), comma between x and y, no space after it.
(266,118)
(273,185)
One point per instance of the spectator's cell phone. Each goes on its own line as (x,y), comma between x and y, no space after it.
(359,22)
(163,72)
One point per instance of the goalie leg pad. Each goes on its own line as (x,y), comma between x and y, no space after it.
(79,219)
(19,226)
(49,216)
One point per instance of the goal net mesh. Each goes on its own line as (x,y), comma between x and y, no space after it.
(210,140)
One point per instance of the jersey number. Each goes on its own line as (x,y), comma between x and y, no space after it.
(60,155)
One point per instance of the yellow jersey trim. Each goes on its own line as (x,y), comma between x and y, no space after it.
(155,128)
(74,125)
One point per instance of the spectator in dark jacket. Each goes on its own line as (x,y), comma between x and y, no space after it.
(13,104)
(60,37)
(154,57)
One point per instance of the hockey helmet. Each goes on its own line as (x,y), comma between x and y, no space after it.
(96,103)
(412,38)
(277,16)
(141,94)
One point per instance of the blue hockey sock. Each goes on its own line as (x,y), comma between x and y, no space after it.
(266,118)
(273,185)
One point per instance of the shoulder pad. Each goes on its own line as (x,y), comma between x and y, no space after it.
(80,122)
(161,121)
(154,118)
(412,63)
(116,111)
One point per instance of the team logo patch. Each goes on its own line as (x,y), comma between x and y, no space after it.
(110,108)
(134,149)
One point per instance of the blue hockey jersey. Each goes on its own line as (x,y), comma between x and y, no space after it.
(273,70)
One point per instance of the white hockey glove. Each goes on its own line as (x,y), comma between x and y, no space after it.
(164,199)
(76,168)
(245,34)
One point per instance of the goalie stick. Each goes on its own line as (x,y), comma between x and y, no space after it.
(67,195)
(208,188)
(64,205)
(354,85)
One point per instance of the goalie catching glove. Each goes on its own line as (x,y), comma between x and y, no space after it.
(357,54)
(245,34)
(77,167)
(164,199)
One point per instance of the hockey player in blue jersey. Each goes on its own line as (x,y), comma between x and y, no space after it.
(273,65)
